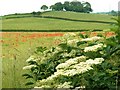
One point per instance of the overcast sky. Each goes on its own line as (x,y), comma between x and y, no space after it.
(26,6)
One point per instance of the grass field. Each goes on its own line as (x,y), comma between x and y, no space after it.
(80,16)
(16,48)
(43,23)
(49,24)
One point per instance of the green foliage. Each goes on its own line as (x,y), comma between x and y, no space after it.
(74,6)
(88,59)
(44,7)
(57,6)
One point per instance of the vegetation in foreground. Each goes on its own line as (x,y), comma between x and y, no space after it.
(92,61)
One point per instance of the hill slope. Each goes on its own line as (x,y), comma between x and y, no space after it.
(64,21)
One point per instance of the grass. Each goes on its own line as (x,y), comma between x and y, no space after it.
(80,16)
(48,24)
(42,23)
(16,48)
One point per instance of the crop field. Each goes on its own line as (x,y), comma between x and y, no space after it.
(17,47)
(64,21)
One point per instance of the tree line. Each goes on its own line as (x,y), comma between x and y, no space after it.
(75,6)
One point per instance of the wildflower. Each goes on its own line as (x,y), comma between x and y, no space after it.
(70,62)
(98,60)
(28,67)
(31,58)
(72,42)
(65,85)
(93,48)
(95,38)
(69,34)
(37,87)
(71,72)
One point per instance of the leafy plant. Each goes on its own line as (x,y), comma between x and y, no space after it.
(88,59)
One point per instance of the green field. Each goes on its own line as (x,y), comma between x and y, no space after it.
(80,16)
(48,21)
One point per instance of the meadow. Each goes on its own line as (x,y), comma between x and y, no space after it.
(16,48)
(58,21)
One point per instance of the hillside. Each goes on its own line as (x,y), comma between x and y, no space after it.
(80,16)
(57,21)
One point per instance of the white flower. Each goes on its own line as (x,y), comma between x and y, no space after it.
(69,34)
(93,48)
(31,58)
(90,61)
(70,62)
(71,72)
(95,61)
(62,66)
(37,87)
(65,85)
(28,67)
(72,42)
(98,60)
(95,38)
(45,86)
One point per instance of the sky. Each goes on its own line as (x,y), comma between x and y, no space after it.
(26,6)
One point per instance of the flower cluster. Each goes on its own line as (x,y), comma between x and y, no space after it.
(31,58)
(28,67)
(95,38)
(71,70)
(93,48)
(70,62)
(72,42)
(65,85)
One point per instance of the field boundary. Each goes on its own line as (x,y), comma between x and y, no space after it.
(59,18)
(50,30)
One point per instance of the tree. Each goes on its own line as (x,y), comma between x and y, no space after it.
(57,6)
(113,13)
(44,7)
(87,7)
(76,6)
(66,5)
(52,7)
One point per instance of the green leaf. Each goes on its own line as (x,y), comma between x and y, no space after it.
(27,76)
(32,62)
(63,45)
(29,83)
(81,35)
(40,49)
